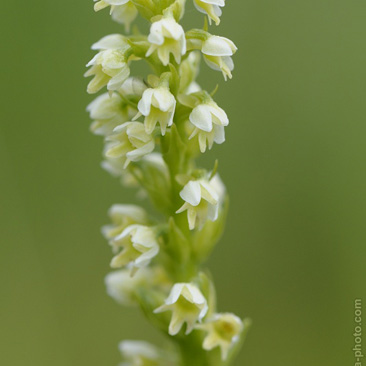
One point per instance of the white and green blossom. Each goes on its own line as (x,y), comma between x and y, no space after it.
(129,142)
(139,246)
(122,11)
(167,37)
(109,111)
(110,66)
(217,52)
(208,119)
(187,305)
(202,200)
(123,216)
(125,289)
(222,330)
(157,105)
(210,7)
(139,353)
(122,287)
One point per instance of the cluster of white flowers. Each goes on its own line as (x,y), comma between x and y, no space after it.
(153,130)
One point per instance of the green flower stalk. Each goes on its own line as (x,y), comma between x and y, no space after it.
(154,128)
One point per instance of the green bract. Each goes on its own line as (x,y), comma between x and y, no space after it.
(154,129)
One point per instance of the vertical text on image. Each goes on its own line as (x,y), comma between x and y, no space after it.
(358,333)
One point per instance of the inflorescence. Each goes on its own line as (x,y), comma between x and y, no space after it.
(154,129)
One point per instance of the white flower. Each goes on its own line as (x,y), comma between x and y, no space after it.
(211,8)
(202,200)
(115,167)
(109,66)
(129,142)
(157,105)
(122,11)
(167,36)
(139,245)
(187,304)
(217,52)
(209,121)
(223,330)
(122,287)
(109,111)
(139,353)
(123,216)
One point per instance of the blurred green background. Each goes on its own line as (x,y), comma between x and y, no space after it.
(293,255)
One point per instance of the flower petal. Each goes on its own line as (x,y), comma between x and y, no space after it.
(191,193)
(144,105)
(218,46)
(112,41)
(201,118)
(163,99)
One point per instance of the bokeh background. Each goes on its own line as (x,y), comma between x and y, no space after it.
(293,255)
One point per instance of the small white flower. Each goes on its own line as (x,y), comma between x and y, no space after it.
(157,105)
(129,142)
(109,66)
(211,8)
(217,52)
(123,216)
(139,245)
(110,111)
(223,330)
(122,287)
(167,36)
(202,200)
(139,353)
(122,11)
(209,121)
(187,304)
(115,167)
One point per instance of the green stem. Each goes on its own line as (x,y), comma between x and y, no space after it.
(192,352)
